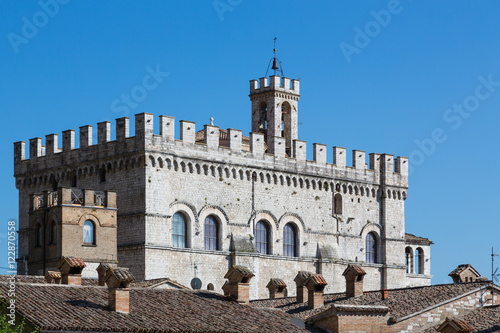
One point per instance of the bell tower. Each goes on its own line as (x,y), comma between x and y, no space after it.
(274,107)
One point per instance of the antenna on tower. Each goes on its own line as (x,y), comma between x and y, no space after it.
(494,274)
(276,62)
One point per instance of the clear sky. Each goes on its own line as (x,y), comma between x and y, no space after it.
(412,78)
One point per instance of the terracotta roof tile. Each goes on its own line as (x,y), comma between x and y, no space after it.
(302,277)
(94,282)
(57,307)
(242,270)
(457,271)
(53,274)
(121,274)
(318,279)
(277,283)
(355,268)
(410,238)
(361,308)
(72,262)
(462,325)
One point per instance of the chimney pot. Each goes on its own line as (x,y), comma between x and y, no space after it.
(300,280)
(119,299)
(354,276)
(238,284)
(277,288)
(315,285)
(71,270)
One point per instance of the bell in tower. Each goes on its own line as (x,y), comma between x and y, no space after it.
(275,108)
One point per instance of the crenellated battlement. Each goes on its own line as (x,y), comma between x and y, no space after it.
(214,143)
(275,83)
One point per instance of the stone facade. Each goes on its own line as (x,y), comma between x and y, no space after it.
(318,216)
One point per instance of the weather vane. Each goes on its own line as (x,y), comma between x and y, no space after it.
(276,62)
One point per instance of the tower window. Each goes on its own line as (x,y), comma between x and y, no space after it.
(419,261)
(409,260)
(102,175)
(53,234)
(338,204)
(179,230)
(89,232)
(38,234)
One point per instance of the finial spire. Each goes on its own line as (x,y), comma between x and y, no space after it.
(276,63)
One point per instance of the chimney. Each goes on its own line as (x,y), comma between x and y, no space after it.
(238,284)
(71,270)
(277,288)
(102,270)
(117,280)
(300,281)
(354,276)
(385,293)
(315,285)
(53,277)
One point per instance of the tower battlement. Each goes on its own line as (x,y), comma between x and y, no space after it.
(275,83)
(214,143)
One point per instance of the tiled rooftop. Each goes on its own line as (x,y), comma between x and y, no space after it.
(94,282)
(151,310)
(416,239)
(401,302)
(484,320)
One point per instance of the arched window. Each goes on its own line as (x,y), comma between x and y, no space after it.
(88,232)
(211,233)
(290,240)
(371,248)
(419,261)
(179,230)
(262,237)
(263,116)
(409,260)
(38,234)
(53,235)
(338,204)
(102,175)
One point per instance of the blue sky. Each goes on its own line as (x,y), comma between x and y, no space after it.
(411,78)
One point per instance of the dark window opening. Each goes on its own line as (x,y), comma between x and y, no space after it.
(102,175)
(53,237)
(38,235)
